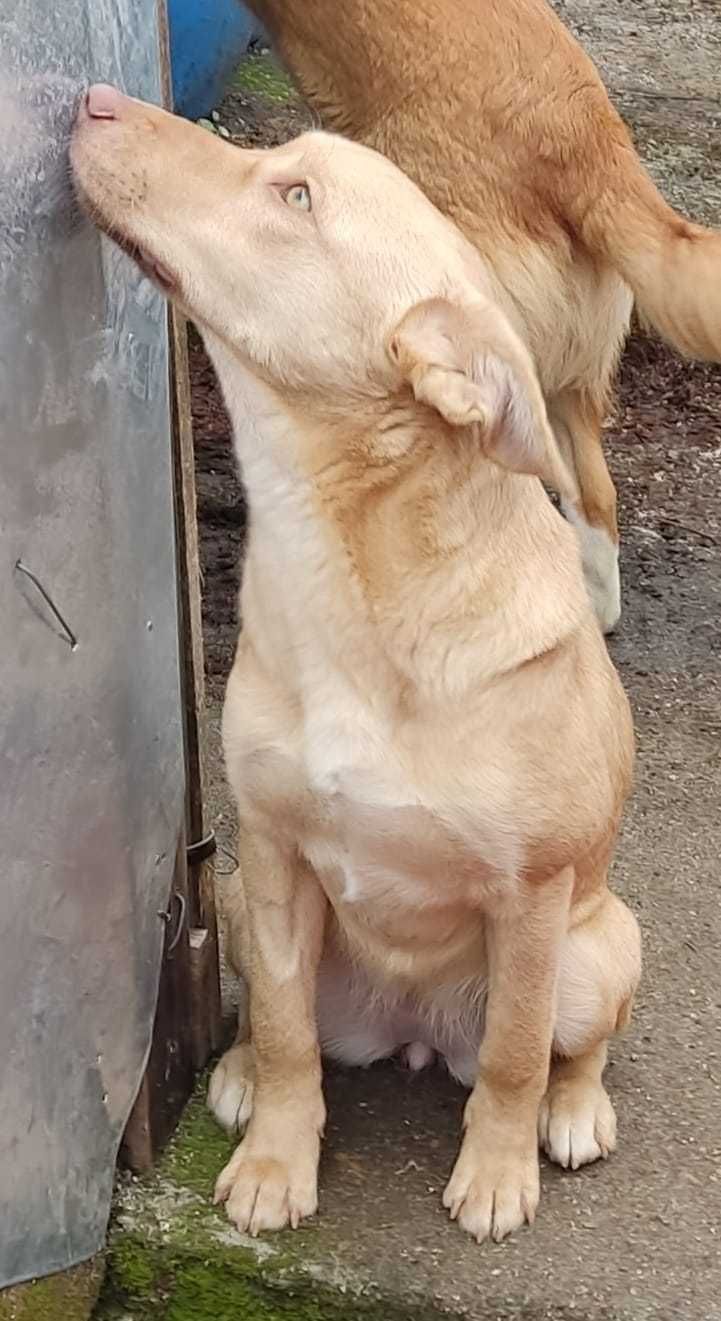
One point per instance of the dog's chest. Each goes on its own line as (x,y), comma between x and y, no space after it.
(385,857)
(380,841)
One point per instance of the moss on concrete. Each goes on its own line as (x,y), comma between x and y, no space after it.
(172,1256)
(260,75)
(199,1150)
(231,1285)
(69,1296)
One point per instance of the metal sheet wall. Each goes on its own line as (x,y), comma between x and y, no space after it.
(91,776)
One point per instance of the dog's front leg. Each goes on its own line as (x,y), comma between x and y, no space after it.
(272,1179)
(494,1187)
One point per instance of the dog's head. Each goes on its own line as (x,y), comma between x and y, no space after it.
(319,264)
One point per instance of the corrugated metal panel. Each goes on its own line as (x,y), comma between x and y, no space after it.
(91,776)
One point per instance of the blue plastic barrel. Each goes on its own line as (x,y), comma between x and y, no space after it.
(208,39)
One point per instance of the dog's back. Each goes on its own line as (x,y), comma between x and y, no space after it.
(503,120)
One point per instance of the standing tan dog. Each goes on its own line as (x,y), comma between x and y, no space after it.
(497,113)
(428,742)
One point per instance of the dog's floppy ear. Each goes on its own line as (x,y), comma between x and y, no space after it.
(466,362)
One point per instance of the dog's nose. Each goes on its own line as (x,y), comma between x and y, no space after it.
(103,101)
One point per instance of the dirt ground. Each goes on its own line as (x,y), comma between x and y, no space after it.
(638,1237)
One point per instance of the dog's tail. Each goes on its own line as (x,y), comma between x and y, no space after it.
(672,266)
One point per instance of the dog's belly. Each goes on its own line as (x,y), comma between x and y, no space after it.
(360,1021)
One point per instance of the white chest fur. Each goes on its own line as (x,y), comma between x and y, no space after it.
(404,868)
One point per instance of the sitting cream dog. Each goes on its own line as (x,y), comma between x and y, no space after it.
(429,745)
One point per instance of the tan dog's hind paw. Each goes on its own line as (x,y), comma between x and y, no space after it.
(268,1192)
(576,1123)
(492,1192)
(230,1094)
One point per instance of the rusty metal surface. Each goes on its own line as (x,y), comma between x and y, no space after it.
(91,773)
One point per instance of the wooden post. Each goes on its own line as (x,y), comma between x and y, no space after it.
(168,1079)
(187,1028)
(206,1002)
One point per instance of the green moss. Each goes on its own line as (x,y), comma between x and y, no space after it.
(199,1149)
(232,1286)
(260,75)
(172,1255)
(69,1296)
(130,1264)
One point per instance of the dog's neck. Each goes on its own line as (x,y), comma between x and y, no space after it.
(386,534)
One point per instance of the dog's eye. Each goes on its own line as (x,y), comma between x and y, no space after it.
(298,196)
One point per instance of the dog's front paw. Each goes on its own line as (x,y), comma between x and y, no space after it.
(230,1094)
(492,1191)
(576,1123)
(268,1191)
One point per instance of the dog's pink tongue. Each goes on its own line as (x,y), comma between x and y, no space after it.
(103,101)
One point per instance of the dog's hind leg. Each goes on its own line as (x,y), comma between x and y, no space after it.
(230,1094)
(600,968)
(576,420)
(232,1082)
